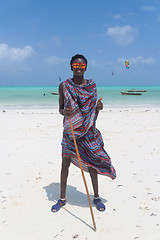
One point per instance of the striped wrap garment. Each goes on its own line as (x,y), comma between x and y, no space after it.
(83,99)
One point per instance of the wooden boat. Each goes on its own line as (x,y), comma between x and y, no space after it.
(136,90)
(131,93)
(55,93)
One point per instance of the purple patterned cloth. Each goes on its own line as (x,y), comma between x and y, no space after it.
(83,98)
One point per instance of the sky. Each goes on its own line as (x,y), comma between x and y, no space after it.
(38,39)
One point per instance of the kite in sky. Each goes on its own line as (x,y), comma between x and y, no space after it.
(127,64)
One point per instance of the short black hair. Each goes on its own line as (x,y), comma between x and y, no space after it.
(78,56)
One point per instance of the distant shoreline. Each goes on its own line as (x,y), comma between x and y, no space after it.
(42,97)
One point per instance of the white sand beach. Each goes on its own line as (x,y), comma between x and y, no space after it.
(30,162)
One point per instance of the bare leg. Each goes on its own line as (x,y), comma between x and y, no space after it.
(66,161)
(97,201)
(94,178)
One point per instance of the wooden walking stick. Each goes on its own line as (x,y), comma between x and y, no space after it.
(80,164)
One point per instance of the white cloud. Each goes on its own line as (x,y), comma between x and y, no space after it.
(158,18)
(148,8)
(130,14)
(57,40)
(15,54)
(92,63)
(108,63)
(122,35)
(117,16)
(148,61)
(139,59)
(54,60)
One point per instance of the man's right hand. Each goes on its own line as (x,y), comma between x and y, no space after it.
(67,111)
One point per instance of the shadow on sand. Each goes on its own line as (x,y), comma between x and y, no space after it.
(74,197)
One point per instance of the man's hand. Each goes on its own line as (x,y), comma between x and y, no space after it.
(99,104)
(67,111)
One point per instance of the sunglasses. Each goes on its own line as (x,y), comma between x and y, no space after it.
(77,65)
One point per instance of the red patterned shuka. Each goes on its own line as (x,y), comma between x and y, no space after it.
(83,99)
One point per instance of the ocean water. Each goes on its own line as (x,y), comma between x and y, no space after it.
(41,97)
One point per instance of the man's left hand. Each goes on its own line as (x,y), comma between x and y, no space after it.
(99,104)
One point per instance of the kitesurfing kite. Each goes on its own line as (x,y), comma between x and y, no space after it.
(127,64)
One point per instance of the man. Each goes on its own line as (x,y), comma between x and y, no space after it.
(78,100)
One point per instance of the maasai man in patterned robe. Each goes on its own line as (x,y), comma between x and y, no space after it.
(78,100)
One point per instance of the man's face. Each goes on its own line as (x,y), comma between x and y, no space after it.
(80,68)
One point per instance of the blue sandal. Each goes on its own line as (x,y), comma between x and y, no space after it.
(58,205)
(99,205)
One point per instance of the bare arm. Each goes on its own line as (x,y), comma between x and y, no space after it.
(61,99)
(62,110)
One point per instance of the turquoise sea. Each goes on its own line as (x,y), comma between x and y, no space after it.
(41,97)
